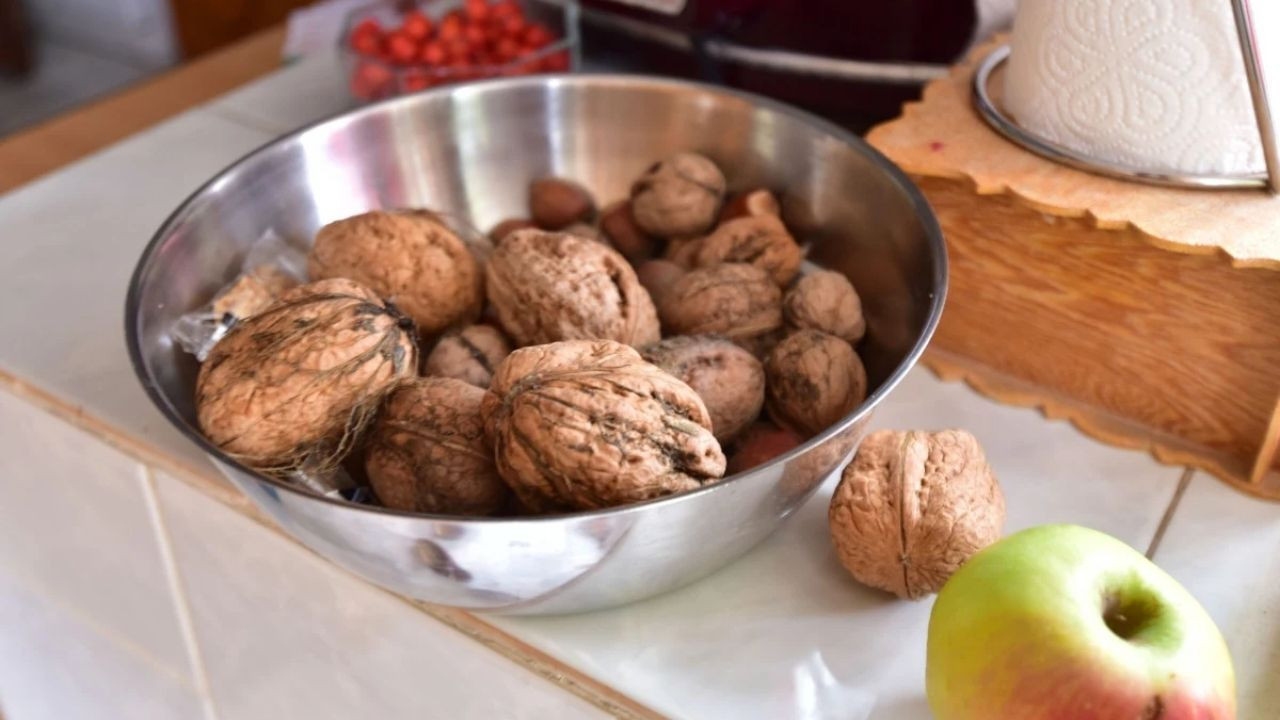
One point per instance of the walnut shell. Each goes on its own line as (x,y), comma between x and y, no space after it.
(587,424)
(556,203)
(253,292)
(761,240)
(657,276)
(683,251)
(508,226)
(678,196)
(814,379)
(734,300)
(912,507)
(469,355)
(553,286)
(825,300)
(729,380)
(301,378)
(408,257)
(622,232)
(428,453)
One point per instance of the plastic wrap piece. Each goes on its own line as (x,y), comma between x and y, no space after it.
(336,483)
(271,266)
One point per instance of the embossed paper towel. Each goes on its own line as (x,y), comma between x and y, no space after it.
(1154,84)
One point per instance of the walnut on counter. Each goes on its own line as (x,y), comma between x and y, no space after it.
(814,379)
(825,300)
(912,507)
(546,287)
(586,424)
(735,300)
(729,379)
(678,196)
(469,355)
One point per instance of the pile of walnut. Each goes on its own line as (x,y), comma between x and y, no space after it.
(586,359)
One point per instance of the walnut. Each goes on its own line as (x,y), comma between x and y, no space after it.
(508,226)
(912,507)
(825,300)
(408,257)
(583,230)
(299,380)
(678,196)
(761,240)
(729,380)
(735,300)
(587,424)
(427,452)
(683,251)
(252,292)
(469,355)
(750,204)
(657,276)
(814,379)
(761,443)
(556,203)
(620,229)
(553,286)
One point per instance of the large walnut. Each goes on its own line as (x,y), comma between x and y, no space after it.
(299,380)
(678,196)
(587,424)
(469,355)
(729,379)
(761,240)
(427,452)
(553,286)
(735,300)
(408,257)
(912,507)
(825,300)
(814,380)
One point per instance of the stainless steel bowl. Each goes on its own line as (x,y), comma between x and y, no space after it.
(471,151)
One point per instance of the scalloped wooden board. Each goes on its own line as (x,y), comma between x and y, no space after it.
(1148,316)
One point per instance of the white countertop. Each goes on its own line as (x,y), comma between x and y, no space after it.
(782,633)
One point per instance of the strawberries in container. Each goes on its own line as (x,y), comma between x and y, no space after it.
(437,43)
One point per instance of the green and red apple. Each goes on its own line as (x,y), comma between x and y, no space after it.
(1061,622)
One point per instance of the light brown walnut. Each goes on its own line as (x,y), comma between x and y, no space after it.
(299,381)
(683,251)
(469,355)
(729,379)
(814,380)
(587,424)
(546,287)
(408,257)
(508,226)
(735,300)
(750,204)
(427,451)
(678,196)
(912,507)
(761,240)
(825,300)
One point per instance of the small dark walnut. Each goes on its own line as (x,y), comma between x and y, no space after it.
(587,424)
(508,226)
(825,300)
(729,380)
(546,287)
(735,300)
(678,196)
(750,204)
(657,276)
(621,230)
(760,240)
(556,203)
(912,507)
(814,379)
(427,451)
(408,257)
(469,355)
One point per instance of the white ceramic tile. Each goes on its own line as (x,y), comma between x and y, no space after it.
(285,634)
(74,524)
(311,88)
(68,246)
(1224,547)
(784,633)
(55,665)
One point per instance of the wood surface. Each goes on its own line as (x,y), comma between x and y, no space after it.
(29,154)
(207,25)
(1149,317)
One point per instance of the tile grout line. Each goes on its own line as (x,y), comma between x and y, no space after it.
(1165,520)
(178,594)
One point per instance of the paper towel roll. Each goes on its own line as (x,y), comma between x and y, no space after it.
(1156,84)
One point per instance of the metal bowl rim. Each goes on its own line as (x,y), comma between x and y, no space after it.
(922,210)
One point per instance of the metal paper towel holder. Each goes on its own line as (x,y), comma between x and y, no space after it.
(995,116)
